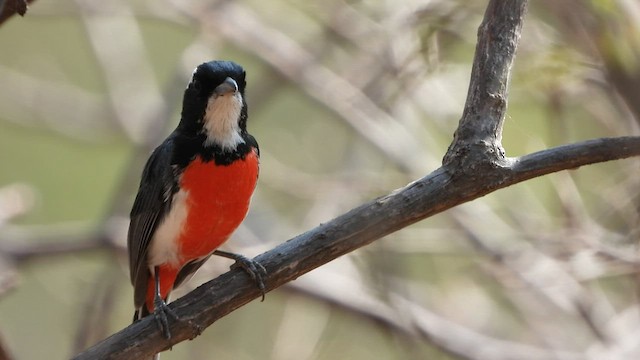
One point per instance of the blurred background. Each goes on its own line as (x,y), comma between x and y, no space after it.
(348,100)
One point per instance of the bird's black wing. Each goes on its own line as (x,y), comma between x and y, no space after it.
(188,270)
(154,197)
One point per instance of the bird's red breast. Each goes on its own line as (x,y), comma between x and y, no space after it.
(217,200)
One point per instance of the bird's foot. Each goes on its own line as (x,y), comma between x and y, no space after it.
(162,312)
(252,267)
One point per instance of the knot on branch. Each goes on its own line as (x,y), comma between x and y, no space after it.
(473,159)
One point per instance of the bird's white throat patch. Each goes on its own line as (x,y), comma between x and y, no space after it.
(221,120)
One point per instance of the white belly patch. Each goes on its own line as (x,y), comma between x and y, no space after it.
(164,245)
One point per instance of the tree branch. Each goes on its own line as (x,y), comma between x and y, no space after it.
(473,167)
(486,105)
(8,8)
(428,196)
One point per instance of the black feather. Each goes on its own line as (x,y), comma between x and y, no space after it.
(157,186)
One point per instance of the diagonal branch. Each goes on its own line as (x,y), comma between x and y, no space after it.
(428,196)
(474,166)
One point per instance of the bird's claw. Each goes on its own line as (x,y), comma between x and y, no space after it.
(257,272)
(161,313)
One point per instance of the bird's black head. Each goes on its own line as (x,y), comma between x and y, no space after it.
(214,103)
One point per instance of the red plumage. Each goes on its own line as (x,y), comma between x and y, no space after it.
(218,200)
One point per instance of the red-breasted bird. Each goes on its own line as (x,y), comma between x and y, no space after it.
(195,190)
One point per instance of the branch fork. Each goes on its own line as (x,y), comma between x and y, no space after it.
(474,165)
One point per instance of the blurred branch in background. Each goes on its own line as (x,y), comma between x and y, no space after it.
(413,321)
(547,270)
(9,8)
(598,30)
(90,120)
(4,352)
(243,27)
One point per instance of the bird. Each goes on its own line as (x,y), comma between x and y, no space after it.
(195,190)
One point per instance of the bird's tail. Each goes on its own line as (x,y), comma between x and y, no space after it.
(141,312)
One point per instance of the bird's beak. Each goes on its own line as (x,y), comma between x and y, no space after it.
(229,86)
